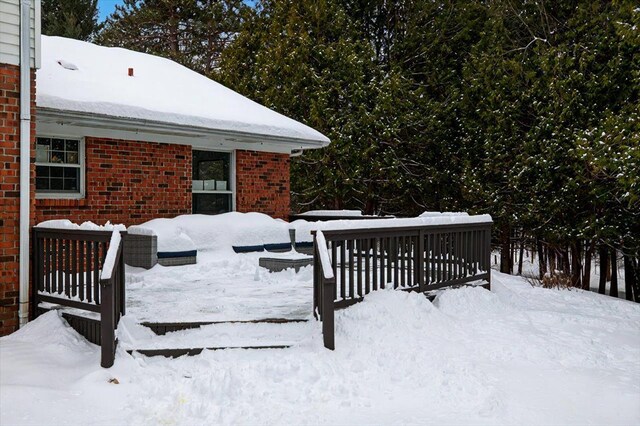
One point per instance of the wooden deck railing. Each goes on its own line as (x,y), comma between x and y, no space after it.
(68,270)
(416,258)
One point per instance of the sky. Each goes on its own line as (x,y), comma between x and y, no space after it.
(106,7)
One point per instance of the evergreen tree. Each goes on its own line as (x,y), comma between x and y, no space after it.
(308,60)
(192,33)
(70,18)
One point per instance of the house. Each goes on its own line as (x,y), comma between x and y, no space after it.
(96,133)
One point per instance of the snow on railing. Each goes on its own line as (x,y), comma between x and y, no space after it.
(112,256)
(327,270)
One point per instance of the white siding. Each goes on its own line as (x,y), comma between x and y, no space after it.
(10,32)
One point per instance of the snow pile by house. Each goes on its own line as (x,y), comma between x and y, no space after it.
(516,355)
(85,226)
(217,232)
(83,77)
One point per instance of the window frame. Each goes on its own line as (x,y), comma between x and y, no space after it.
(232,176)
(76,195)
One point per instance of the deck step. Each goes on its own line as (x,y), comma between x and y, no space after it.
(175,353)
(194,338)
(162,328)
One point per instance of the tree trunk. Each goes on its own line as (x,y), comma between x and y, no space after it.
(588,254)
(521,255)
(551,253)
(630,279)
(576,267)
(604,267)
(505,250)
(613,291)
(512,254)
(566,265)
(542,262)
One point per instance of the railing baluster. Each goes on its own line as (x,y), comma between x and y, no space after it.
(449,256)
(434,258)
(67,267)
(351,269)
(367,266)
(476,252)
(96,272)
(382,255)
(410,254)
(48,269)
(358,243)
(334,265)
(424,263)
(87,271)
(81,270)
(375,263)
(394,266)
(60,282)
(390,258)
(74,268)
(343,258)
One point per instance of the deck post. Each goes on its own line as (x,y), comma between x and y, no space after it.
(107,332)
(328,309)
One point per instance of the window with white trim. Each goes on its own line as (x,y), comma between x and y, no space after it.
(59,167)
(212,189)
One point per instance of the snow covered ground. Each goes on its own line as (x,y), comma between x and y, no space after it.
(222,286)
(516,355)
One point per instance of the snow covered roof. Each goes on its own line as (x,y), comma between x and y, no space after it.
(85,78)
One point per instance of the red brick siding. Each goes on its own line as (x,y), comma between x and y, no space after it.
(127,182)
(262,183)
(10,191)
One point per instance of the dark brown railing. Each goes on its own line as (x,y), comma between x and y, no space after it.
(68,270)
(415,258)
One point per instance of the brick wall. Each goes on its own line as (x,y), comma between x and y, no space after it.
(10,191)
(262,182)
(127,182)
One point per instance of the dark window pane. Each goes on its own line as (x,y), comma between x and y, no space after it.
(211,203)
(42,183)
(42,171)
(44,141)
(211,170)
(71,172)
(56,171)
(57,144)
(211,165)
(57,184)
(71,145)
(70,185)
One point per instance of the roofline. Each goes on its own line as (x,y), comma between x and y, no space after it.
(104,121)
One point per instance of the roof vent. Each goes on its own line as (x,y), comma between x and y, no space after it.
(67,65)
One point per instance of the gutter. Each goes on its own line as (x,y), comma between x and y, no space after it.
(25,158)
(136,125)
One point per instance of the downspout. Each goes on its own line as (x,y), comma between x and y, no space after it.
(25,154)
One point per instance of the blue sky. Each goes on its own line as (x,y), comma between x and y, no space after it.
(106,7)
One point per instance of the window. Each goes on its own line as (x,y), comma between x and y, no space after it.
(212,182)
(59,167)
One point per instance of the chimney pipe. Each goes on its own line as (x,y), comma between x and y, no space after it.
(130,72)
